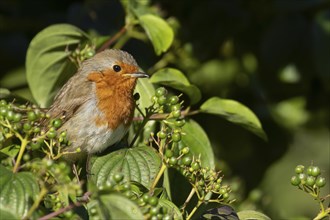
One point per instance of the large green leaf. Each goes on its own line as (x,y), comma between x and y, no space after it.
(235,112)
(177,80)
(139,164)
(251,214)
(6,214)
(158,31)
(17,190)
(47,63)
(199,144)
(113,206)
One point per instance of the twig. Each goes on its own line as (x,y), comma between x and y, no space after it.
(83,200)
(112,39)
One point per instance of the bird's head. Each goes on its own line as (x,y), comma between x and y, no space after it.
(115,68)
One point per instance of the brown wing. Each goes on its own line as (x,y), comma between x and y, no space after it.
(71,96)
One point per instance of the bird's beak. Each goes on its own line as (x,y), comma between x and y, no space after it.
(137,75)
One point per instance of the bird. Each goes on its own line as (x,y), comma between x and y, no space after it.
(97,103)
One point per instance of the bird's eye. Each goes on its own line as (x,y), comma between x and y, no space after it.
(116,68)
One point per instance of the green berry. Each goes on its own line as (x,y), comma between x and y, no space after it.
(295,180)
(154,99)
(320,181)
(36,130)
(225,195)
(310,181)
(162,134)
(195,166)
(3,111)
(27,126)
(57,123)
(146,197)
(51,134)
(3,102)
(10,115)
(223,190)
(160,92)
(118,177)
(173,161)
(302,177)
(176,113)
(179,123)
(176,137)
(162,100)
(186,160)
(31,116)
(168,153)
(315,171)
(154,211)
(17,117)
(26,157)
(185,150)
(127,186)
(174,100)
(153,201)
(299,169)
(175,107)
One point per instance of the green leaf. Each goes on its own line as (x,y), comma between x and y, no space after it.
(199,144)
(146,91)
(11,150)
(17,190)
(139,164)
(113,206)
(158,31)
(47,63)
(235,112)
(6,214)
(250,214)
(177,80)
(173,209)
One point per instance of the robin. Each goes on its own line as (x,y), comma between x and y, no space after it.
(97,104)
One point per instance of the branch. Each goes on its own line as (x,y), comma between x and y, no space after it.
(112,39)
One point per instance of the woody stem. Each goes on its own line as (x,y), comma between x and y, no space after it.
(112,39)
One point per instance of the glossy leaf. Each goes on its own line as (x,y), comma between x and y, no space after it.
(7,214)
(47,63)
(139,164)
(251,214)
(158,31)
(17,190)
(234,112)
(199,144)
(177,80)
(113,206)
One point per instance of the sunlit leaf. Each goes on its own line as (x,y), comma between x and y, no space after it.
(199,144)
(177,80)
(113,206)
(7,214)
(251,214)
(158,31)
(234,112)
(139,164)
(17,190)
(47,63)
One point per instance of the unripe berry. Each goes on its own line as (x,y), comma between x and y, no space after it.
(174,100)
(153,201)
(118,177)
(295,180)
(310,181)
(299,169)
(186,160)
(162,134)
(320,181)
(31,116)
(162,100)
(57,123)
(160,91)
(176,137)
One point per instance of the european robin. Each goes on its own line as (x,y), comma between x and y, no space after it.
(97,104)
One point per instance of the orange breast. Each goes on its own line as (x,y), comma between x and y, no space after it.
(115,101)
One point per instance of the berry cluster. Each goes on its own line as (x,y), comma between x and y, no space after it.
(178,156)
(310,180)
(149,205)
(82,53)
(34,127)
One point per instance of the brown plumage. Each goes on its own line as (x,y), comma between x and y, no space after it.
(97,103)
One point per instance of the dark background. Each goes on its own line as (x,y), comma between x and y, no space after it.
(271,55)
